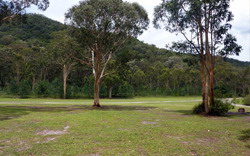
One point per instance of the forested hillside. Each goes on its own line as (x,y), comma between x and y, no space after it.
(27,68)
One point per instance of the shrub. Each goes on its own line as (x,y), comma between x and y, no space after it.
(13,88)
(76,91)
(219,108)
(88,90)
(125,90)
(56,88)
(198,109)
(42,89)
(247,100)
(24,89)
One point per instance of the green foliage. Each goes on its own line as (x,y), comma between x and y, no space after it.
(13,87)
(198,109)
(56,89)
(35,27)
(149,71)
(220,108)
(43,89)
(222,92)
(76,92)
(24,89)
(247,100)
(125,90)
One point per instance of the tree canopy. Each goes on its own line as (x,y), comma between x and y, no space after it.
(102,27)
(208,24)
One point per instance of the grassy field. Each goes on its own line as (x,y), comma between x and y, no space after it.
(140,126)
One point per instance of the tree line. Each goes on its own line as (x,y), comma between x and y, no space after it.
(98,31)
(31,65)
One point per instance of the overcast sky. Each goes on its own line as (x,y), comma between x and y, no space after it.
(241,23)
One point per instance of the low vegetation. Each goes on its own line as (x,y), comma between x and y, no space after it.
(219,108)
(140,126)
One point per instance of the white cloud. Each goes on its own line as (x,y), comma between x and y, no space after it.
(241,26)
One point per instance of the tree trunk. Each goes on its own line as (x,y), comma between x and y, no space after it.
(96,92)
(33,82)
(110,92)
(206,89)
(203,81)
(99,64)
(212,85)
(65,75)
(66,71)
(18,73)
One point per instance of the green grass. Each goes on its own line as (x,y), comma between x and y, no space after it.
(140,126)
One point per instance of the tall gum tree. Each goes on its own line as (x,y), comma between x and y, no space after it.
(204,25)
(102,26)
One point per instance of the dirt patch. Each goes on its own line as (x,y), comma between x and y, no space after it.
(247,118)
(149,123)
(174,137)
(22,146)
(1,147)
(54,132)
(124,129)
(49,139)
(193,153)
(201,141)
(205,140)
(95,155)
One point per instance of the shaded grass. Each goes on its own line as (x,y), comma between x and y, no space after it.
(119,129)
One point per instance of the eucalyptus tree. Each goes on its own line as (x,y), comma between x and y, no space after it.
(103,26)
(12,8)
(204,25)
(62,50)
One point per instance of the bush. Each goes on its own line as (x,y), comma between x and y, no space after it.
(13,88)
(42,89)
(198,109)
(56,88)
(219,108)
(76,91)
(24,89)
(88,90)
(247,100)
(125,90)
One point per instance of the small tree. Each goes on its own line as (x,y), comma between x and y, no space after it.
(61,51)
(208,23)
(102,27)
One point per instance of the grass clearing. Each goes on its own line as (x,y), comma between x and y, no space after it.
(140,126)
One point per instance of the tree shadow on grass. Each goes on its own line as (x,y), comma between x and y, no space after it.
(183,112)
(245,137)
(227,115)
(11,112)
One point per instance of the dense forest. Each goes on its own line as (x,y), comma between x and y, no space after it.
(29,68)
